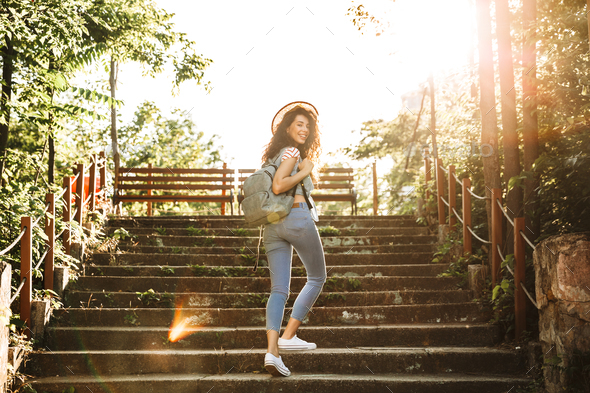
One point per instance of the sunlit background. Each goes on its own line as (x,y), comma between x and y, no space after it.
(269,53)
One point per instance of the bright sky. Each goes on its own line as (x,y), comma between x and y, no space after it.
(269,53)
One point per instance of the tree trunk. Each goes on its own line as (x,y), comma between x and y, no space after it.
(7,70)
(509,122)
(432,116)
(530,130)
(113,85)
(487,105)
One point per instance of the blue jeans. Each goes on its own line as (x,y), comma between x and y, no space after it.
(296,230)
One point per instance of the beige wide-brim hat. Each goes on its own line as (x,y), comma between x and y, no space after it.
(283,111)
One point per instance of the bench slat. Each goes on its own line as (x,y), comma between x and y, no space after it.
(175,187)
(331,186)
(336,178)
(174,198)
(174,171)
(176,178)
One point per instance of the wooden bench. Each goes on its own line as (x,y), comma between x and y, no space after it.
(330,179)
(179,182)
(336,179)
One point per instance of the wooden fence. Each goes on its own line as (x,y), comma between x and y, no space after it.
(448,174)
(28,223)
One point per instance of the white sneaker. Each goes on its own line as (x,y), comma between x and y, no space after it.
(275,365)
(295,343)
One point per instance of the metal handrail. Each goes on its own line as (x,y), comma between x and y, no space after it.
(41,259)
(477,196)
(457,215)
(457,179)
(504,259)
(37,221)
(61,194)
(74,212)
(18,290)
(445,202)
(529,295)
(477,237)
(527,240)
(15,242)
(61,233)
(76,177)
(446,170)
(504,211)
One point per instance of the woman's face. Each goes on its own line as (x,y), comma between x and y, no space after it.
(299,129)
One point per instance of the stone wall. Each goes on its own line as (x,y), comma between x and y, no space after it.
(562,274)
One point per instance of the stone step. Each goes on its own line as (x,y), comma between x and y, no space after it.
(376,360)
(87,299)
(236,222)
(251,250)
(318,316)
(155,338)
(229,256)
(415,243)
(257,284)
(254,232)
(431,270)
(300,382)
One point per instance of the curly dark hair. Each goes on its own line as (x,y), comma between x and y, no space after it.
(311,149)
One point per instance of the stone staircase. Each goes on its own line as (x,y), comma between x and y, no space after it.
(383,323)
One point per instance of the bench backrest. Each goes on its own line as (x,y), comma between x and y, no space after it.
(330,179)
(175,179)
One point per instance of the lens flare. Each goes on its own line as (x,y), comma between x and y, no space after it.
(181,326)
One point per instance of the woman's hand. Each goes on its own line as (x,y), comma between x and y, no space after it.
(306,165)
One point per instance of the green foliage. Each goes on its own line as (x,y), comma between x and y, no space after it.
(222,271)
(122,234)
(150,298)
(240,232)
(132,319)
(340,284)
(328,231)
(257,299)
(161,231)
(576,368)
(166,271)
(192,231)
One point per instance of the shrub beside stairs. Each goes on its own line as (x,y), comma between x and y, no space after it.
(383,323)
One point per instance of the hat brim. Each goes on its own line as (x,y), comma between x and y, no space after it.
(281,113)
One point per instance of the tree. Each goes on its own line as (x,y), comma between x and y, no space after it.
(487,103)
(509,120)
(530,128)
(137,30)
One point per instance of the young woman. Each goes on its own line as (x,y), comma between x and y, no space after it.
(296,141)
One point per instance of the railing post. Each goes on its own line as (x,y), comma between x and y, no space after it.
(496,234)
(440,189)
(92,187)
(103,174)
(80,194)
(26,256)
(223,192)
(466,186)
(92,184)
(50,232)
(452,198)
(149,192)
(67,214)
(427,170)
(375,198)
(519,276)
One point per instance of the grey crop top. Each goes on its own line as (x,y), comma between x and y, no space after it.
(306,180)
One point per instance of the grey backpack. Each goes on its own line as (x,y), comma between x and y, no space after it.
(261,205)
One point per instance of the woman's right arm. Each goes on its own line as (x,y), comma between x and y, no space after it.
(283,181)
